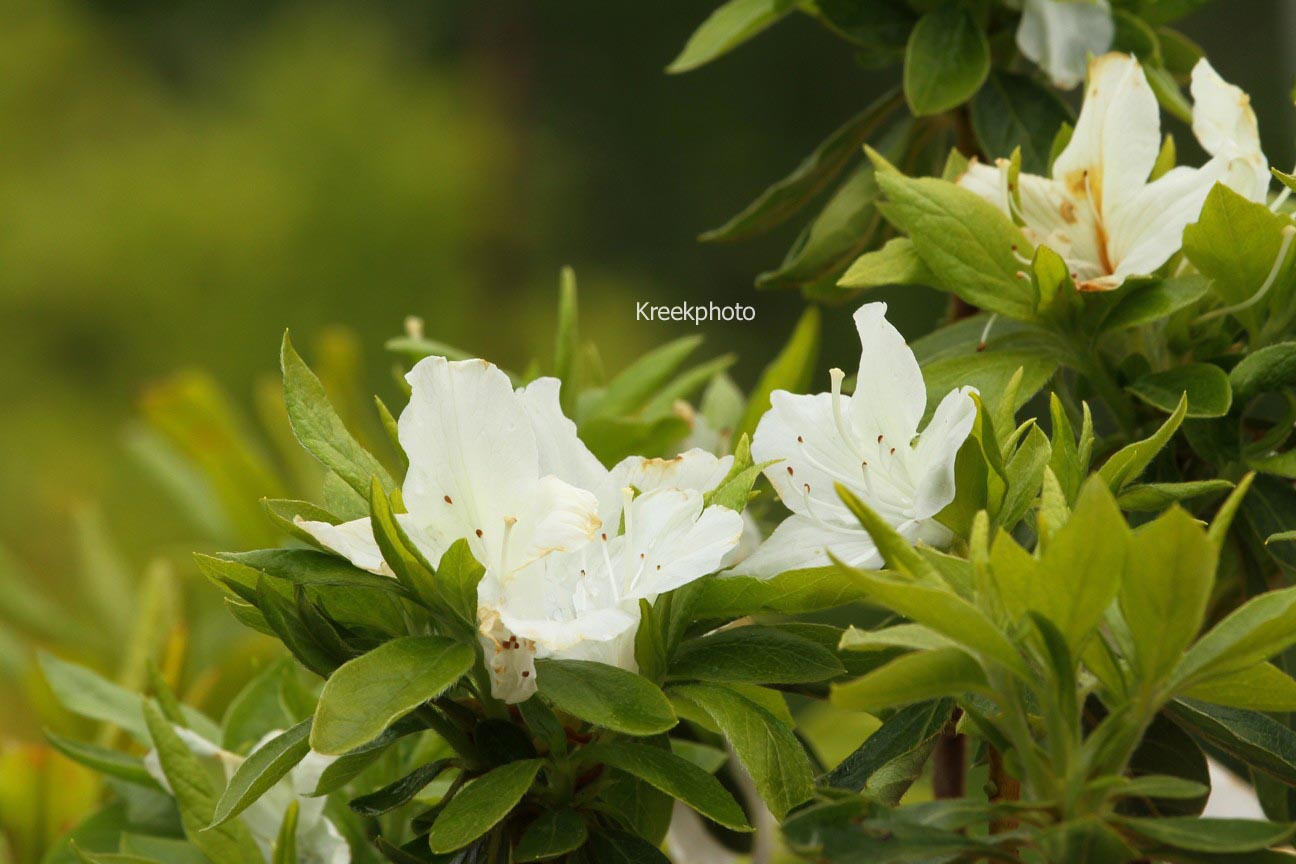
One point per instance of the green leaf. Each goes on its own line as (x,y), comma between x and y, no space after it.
(481,804)
(622,847)
(367,694)
(412,570)
(87,694)
(1255,738)
(640,381)
(1126,464)
(735,489)
(1269,369)
(1205,385)
(768,750)
(783,199)
(676,777)
(791,592)
(964,240)
(1076,579)
(552,834)
(843,229)
(754,655)
(196,796)
(285,513)
(728,27)
(914,637)
(457,576)
(946,61)
(1158,496)
(790,370)
(1263,687)
(285,846)
(400,792)
(892,758)
(1259,629)
(605,696)
(1025,474)
(1172,567)
(103,760)
(307,567)
(567,340)
(321,431)
(650,642)
(263,768)
(896,263)
(1016,111)
(1210,835)
(1234,242)
(916,677)
(1145,300)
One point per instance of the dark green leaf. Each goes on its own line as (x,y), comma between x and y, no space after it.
(1206,386)
(946,61)
(605,696)
(555,833)
(481,804)
(754,655)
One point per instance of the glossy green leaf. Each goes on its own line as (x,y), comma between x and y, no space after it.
(1126,464)
(676,777)
(263,768)
(946,61)
(1205,385)
(1211,835)
(726,28)
(786,197)
(605,696)
(366,695)
(911,678)
(553,834)
(754,655)
(321,431)
(481,804)
(765,746)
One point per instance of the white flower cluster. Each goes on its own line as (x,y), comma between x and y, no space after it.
(570,547)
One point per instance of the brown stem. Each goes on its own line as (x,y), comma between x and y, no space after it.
(1006,788)
(949,762)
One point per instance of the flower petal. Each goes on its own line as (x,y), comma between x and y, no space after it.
(936,450)
(800,542)
(1117,136)
(1225,124)
(890,396)
(1059,36)
(561,452)
(1149,230)
(554,637)
(800,433)
(568,518)
(352,540)
(671,541)
(473,456)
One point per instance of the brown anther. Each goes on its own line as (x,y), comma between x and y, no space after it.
(526,673)
(892,451)
(479,533)
(605,536)
(800,440)
(879,439)
(447,500)
(790,472)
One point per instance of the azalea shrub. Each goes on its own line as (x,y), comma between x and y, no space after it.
(1046,547)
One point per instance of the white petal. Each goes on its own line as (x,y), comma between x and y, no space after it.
(1059,36)
(553,637)
(1225,124)
(989,182)
(936,450)
(890,396)
(561,452)
(568,518)
(322,844)
(671,541)
(747,544)
(1117,136)
(800,432)
(472,452)
(1148,231)
(512,669)
(693,469)
(801,542)
(352,540)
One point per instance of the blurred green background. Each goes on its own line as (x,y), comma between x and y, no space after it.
(180,181)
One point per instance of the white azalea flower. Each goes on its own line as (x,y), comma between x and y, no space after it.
(585,605)
(868,442)
(1060,35)
(505,470)
(1098,210)
(318,839)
